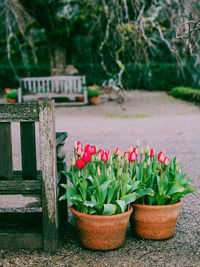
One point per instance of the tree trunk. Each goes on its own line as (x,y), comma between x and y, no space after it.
(57,57)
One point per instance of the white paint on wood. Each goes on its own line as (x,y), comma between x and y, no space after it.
(20,201)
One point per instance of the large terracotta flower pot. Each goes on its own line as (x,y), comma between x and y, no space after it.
(99,232)
(154,222)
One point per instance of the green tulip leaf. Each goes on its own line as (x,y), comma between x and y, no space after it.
(109,209)
(122,205)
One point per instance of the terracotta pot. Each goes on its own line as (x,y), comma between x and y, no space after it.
(79,98)
(99,232)
(10,100)
(94,100)
(154,222)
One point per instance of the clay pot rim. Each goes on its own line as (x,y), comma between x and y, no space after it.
(144,206)
(102,217)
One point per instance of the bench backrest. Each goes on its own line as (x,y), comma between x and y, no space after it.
(31,191)
(54,84)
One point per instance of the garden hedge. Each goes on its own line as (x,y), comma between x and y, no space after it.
(186,93)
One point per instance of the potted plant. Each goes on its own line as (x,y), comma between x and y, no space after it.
(11,95)
(154,216)
(93,94)
(101,190)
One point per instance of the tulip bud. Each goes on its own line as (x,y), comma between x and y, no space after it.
(146,149)
(100,152)
(117,151)
(107,152)
(120,172)
(109,168)
(79,174)
(166,161)
(98,157)
(176,162)
(121,163)
(141,150)
(145,165)
(137,143)
(119,157)
(79,151)
(110,160)
(152,153)
(93,150)
(79,144)
(135,150)
(160,157)
(132,157)
(98,171)
(104,157)
(148,162)
(75,145)
(130,148)
(126,156)
(73,161)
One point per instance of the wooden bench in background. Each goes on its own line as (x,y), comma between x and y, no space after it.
(30,214)
(71,87)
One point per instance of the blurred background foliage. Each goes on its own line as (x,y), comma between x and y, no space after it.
(143,44)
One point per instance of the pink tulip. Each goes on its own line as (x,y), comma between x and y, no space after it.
(161,157)
(117,151)
(126,153)
(87,148)
(93,150)
(79,151)
(135,150)
(166,161)
(104,157)
(100,152)
(132,156)
(79,144)
(86,156)
(80,163)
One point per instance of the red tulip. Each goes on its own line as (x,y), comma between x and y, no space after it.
(80,163)
(86,156)
(79,151)
(132,156)
(166,161)
(108,152)
(117,151)
(126,153)
(93,150)
(104,157)
(161,157)
(79,144)
(135,150)
(100,152)
(152,153)
(87,148)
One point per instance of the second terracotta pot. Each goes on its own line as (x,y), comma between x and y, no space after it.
(94,100)
(154,221)
(99,232)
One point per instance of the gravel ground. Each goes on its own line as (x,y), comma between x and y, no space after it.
(160,121)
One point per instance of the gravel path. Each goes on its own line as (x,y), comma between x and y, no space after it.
(163,123)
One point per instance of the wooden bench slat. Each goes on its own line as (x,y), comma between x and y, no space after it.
(20,201)
(21,240)
(20,187)
(19,112)
(6,163)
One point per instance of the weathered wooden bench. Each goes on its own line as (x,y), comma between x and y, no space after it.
(30,214)
(71,87)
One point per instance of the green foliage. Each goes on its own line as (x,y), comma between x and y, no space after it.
(102,188)
(13,94)
(93,91)
(168,183)
(186,93)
